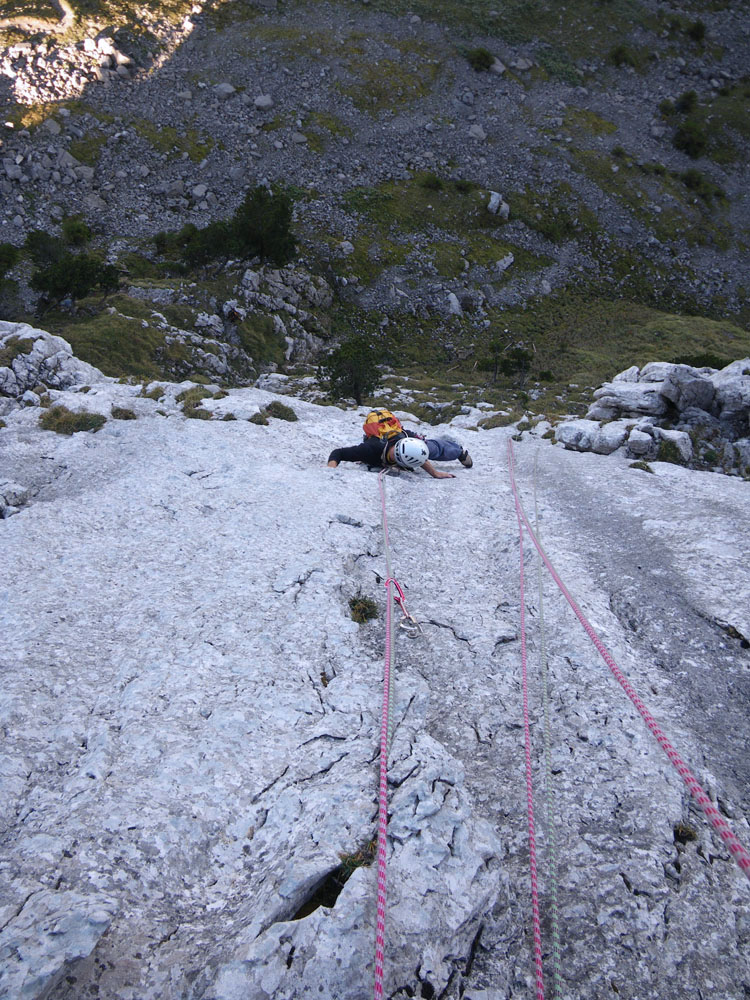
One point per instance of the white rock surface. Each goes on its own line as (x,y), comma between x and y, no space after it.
(191,718)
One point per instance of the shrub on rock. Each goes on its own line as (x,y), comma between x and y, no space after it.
(75,276)
(281,411)
(61,420)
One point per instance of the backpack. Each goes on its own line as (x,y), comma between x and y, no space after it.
(382,424)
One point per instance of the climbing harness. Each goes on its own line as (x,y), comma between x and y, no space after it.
(413,628)
(735,846)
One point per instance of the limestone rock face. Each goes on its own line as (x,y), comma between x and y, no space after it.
(702,412)
(440,854)
(192,719)
(52,931)
(632,398)
(589,435)
(686,387)
(732,385)
(35,356)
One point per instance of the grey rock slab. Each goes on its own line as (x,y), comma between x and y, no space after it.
(52,931)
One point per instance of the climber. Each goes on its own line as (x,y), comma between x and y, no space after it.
(406,452)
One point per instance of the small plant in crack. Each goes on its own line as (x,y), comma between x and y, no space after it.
(327,891)
(360,859)
(683,833)
(362,608)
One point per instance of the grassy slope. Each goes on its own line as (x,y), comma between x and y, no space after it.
(582,335)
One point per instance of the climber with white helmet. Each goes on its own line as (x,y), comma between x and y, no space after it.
(407,451)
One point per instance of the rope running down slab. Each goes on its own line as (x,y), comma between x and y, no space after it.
(735,846)
(385,733)
(529,781)
(549,786)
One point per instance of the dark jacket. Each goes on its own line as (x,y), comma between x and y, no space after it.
(372,452)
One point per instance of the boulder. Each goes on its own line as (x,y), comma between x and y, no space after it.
(589,435)
(640,443)
(732,398)
(633,398)
(224,90)
(35,356)
(12,496)
(686,387)
(679,439)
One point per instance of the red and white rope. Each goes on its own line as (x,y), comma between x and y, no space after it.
(735,846)
(529,780)
(385,725)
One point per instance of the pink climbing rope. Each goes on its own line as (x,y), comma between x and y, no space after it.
(530,785)
(735,846)
(384,737)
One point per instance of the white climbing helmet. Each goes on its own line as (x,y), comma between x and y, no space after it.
(410,453)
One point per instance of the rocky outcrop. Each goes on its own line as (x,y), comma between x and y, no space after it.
(31,358)
(693,416)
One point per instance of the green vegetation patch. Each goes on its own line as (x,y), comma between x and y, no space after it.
(582,120)
(559,214)
(280,410)
(119,344)
(362,609)
(191,402)
(167,139)
(89,149)
(389,84)
(449,220)
(61,420)
(13,347)
(644,188)
(260,338)
(586,340)
(320,126)
(717,127)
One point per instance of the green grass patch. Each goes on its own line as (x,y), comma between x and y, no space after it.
(582,120)
(167,139)
(117,344)
(447,218)
(362,609)
(643,189)
(320,125)
(388,84)
(12,348)
(559,215)
(280,411)
(588,340)
(88,150)
(61,420)
(123,413)
(260,338)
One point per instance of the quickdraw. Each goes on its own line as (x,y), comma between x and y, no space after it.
(408,622)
